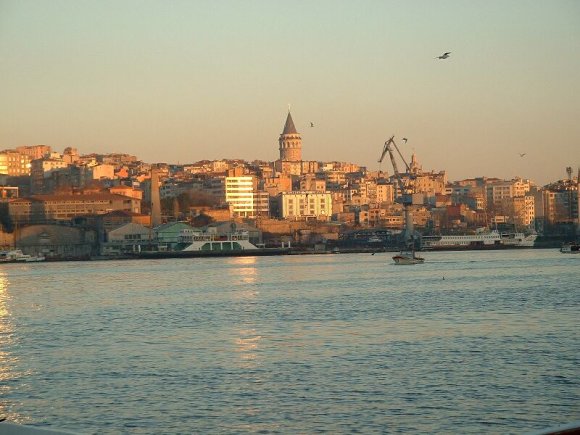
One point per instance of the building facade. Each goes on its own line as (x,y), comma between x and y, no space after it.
(35,151)
(240,195)
(41,170)
(305,205)
(14,163)
(40,209)
(130,237)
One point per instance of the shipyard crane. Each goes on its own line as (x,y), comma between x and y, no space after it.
(405,187)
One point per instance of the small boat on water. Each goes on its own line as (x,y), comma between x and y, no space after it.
(408,258)
(570,248)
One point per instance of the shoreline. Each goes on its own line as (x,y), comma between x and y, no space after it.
(266,252)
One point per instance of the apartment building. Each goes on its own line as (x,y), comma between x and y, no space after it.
(560,205)
(385,193)
(41,209)
(102,171)
(309,182)
(127,191)
(305,205)
(524,210)
(41,169)
(239,193)
(35,152)
(14,163)
(275,185)
(244,198)
(499,190)
(310,166)
(509,201)
(335,177)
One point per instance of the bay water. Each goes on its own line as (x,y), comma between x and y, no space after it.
(469,342)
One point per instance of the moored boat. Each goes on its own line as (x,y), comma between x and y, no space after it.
(197,243)
(570,248)
(481,240)
(195,240)
(17,256)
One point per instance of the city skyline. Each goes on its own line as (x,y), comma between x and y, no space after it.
(188,81)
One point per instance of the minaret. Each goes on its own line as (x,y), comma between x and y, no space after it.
(414,167)
(155,201)
(290,142)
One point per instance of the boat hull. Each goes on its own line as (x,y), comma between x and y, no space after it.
(472,247)
(259,252)
(570,248)
(17,256)
(406,260)
(484,241)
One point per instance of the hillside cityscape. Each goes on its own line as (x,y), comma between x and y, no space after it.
(78,206)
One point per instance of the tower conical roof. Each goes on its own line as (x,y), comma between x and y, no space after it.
(289,126)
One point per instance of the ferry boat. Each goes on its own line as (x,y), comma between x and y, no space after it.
(482,240)
(17,256)
(197,243)
(570,248)
(196,240)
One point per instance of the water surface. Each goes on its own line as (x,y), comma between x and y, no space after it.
(469,342)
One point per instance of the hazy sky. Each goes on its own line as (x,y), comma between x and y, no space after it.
(181,81)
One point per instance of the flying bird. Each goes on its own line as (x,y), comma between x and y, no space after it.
(444,55)
(312,124)
(522,154)
(405,139)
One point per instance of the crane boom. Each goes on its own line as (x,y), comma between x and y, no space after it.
(388,148)
(406,189)
(402,158)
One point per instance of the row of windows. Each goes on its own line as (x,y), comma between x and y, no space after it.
(239,196)
(132,236)
(80,202)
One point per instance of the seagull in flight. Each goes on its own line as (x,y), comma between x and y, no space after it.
(405,139)
(312,124)
(444,55)
(522,154)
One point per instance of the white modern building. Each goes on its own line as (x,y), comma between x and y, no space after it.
(244,199)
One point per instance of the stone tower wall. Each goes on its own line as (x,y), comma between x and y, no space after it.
(290,147)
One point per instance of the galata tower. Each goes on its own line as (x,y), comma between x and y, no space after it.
(290,142)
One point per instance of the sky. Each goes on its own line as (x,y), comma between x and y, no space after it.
(182,81)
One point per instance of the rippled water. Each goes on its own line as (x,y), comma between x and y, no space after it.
(469,342)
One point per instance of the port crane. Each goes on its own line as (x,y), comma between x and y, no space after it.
(405,187)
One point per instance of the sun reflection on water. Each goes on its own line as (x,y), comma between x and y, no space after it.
(247,340)
(248,344)
(8,361)
(246,269)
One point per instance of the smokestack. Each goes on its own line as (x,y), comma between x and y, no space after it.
(578,204)
(155,201)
